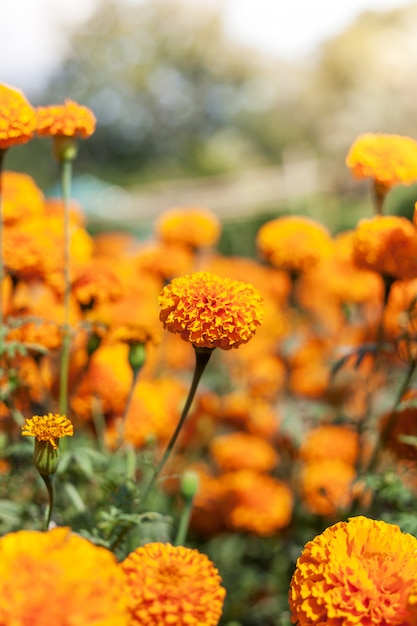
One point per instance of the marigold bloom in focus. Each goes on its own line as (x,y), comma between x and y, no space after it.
(211,312)
(69,119)
(58,577)
(388,159)
(294,243)
(17,118)
(355,573)
(172,585)
(388,245)
(48,428)
(193,227)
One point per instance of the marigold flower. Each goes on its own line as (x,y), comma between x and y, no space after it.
(355,573)
(17,118)
(21,197)
(331,442)
(48,428)
(96,282)
(193,227)
(388,245)
(236,451)
(69,119)
(58,577)
(404,426)
(256,503)
(327,486)
(294,243)
(172,585)
(211,312)
(388,159)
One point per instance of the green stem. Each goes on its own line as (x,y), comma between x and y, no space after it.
(182,531)
(390,423)
(66,175)
(202,358)
(51,493)
(2,155)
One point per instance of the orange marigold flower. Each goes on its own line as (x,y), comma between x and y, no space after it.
(211,312)
(257,503)
(404,426)
(164,261)
(294,243)
(331,442)
(69,119)
(21,197)
(172,585)
(388,245)
(355,573)
(388,159)
(96,282)
(236,451)
(17,118)
(58,577)
(193,227)
(48,428)
(327,486)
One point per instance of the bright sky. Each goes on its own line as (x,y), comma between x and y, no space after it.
(32,41)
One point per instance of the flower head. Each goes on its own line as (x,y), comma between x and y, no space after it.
(17,118)
(69,120)
(355,573)
(172,585)
(327,486)
(58,577)
(236,451)
(294,243)
(211,312)
(388,159)
(192,227)
(48,428)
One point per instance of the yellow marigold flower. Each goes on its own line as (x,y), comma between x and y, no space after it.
(355,573)
(69,119)
(256,503)
(211,312)
(57,577)
(193,227)
(294,243)
(388,245)
(17,118)
(236,451)
(331,442)
(172,585)
(48,428)
(21,197)
(388,159)
(327,486)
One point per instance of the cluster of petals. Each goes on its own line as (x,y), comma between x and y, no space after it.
(17,118)
(69,120)
(294,243)
(48,427)
(58,577)
(354,573)
(172,585)
(387,159)
(209,311)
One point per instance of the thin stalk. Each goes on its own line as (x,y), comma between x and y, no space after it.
(51,493)
(66,175)
(390,423)
(202,358)
(182,531)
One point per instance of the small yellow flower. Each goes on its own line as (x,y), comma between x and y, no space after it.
(211,312)
(48,428)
